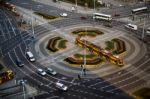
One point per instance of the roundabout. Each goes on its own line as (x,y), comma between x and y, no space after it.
(56,60)
(102,80)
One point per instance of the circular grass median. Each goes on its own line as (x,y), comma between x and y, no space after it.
(116,46)
(57,43)
(90,33)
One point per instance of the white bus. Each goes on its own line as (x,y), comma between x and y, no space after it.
(139,10)
(100,16)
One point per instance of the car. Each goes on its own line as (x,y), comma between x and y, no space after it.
(19,63)
(120,5)
(131,26)
(30,56)
(83,18)
(108,25)
(148,31)
(63,14)
(116,15)
(61,86)
(50,71)
(41,72)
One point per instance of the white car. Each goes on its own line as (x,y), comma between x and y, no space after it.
(61,86)
(131,26)
(41,72)
(30,56)
(148,31)
(63,14)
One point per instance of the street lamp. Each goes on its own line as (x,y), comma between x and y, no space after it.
(143,33)
(32,22)
(94,7)
(76,2)
(22,82)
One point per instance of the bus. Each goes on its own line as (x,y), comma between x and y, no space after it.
(6,76)
(140,10)
(8,6)
(100,16)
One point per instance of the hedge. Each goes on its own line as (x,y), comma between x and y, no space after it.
(120,46)
(1,67)
(51,44)
(46,16)
(91,33)
(62,44)
(71,60)
(90,3)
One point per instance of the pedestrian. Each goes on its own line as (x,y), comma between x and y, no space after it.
(79,77)
(84,71)
(81,66)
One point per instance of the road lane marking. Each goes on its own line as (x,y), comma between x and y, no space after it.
(121,74)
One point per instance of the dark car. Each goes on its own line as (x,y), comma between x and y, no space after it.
(83,18)
(116,15)
(19,63)
(51,71)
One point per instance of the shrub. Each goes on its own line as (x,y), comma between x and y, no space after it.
(46,16)
(1,67)
(71,60)
(90,3)
(51,44)
(91,33)
(110,45)
(82,56)
(62,44)
(120,46)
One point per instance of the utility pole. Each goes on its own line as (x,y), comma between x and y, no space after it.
(84,65)
(24,94)
(143,33)
(76,2)
(32,22)
(22,82)
(94,6)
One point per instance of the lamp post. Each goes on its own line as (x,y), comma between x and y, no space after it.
(143,33)
(22,82)
(94,6)
(33,34)
(76,2)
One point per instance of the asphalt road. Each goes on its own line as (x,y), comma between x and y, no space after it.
(13,46)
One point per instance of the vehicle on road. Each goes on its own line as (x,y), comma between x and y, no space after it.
(51,71)
(61,86)
(100,16)
(63,14)
(140,10)
(83,18)
(19,63)
(30,56)
(41,72)
(148,31)
(131,26)
(116,14)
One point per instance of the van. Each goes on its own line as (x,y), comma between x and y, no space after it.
(148,31)
(61,86)
(131,26)
(30,56)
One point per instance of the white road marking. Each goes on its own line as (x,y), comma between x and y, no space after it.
(3,33)
(121,74)
(10,24)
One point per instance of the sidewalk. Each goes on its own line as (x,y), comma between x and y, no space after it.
(80,9)
(66,6)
